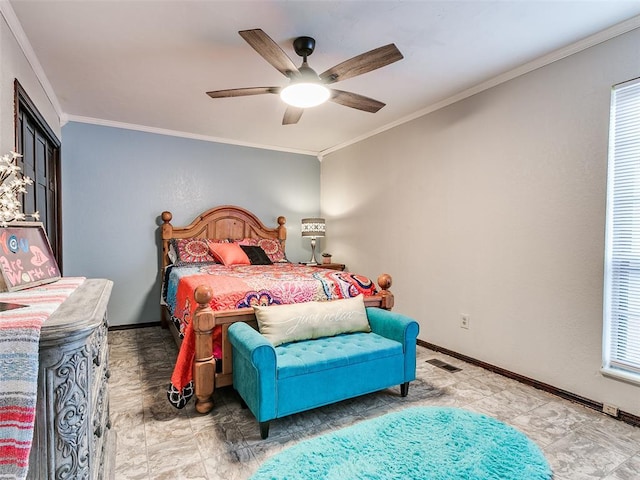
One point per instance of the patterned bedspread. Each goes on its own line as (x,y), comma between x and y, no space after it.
(241,286)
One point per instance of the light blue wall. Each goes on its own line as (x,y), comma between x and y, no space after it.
(116,183)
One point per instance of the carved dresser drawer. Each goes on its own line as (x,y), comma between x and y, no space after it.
(72,437)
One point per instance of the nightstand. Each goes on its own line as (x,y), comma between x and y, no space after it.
(332,266)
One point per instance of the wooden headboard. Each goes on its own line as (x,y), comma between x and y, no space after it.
(223,222)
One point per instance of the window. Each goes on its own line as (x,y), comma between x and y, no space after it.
(621,348)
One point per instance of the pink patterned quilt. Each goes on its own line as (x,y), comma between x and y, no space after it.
(241,286)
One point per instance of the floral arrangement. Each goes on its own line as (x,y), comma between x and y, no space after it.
(12,184)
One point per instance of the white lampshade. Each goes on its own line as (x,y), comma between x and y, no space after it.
(305,94)
(313,227)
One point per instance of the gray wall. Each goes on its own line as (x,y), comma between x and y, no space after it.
(116,183)
(495,207)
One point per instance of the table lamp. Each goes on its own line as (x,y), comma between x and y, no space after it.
(314,228)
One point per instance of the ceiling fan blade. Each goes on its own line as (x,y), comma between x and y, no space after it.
(269,50)
(366,62)
(353,100)
(241,92)
(292,115)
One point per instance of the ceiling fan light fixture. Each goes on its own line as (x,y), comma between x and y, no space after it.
(307,88)
(305,94)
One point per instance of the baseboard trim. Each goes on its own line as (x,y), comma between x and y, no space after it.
(135,325)
(597,406)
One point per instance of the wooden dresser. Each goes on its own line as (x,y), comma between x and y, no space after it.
(73,437)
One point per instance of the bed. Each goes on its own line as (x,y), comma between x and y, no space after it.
(198,314)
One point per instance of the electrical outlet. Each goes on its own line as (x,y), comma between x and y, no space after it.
(610,409)
(464,321)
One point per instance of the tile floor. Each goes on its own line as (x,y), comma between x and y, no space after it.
(156,441)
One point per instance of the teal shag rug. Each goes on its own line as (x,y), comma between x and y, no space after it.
(427,443)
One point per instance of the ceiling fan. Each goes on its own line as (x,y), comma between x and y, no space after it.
(307,88)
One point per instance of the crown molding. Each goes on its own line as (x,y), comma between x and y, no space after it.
(12,20)
(540,62)
(16,28)
(175,133)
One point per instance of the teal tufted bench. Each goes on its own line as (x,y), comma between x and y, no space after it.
(298,376)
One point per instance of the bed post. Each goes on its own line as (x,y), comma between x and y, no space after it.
(167,233)
(384,281)
(282,234)
(204,365)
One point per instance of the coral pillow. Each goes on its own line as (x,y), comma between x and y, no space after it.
(229,254)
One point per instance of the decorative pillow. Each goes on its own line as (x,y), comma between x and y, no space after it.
(303,321)
(173,256)
(271,246)
(249,242)
(191,250)
(229,253)
(256,255)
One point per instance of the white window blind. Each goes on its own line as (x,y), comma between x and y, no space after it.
(622,255)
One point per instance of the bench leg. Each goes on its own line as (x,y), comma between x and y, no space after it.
(404,389)
(264,430)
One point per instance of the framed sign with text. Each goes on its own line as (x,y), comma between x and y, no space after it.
(26,259)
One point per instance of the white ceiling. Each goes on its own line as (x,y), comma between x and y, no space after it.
(147,64)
